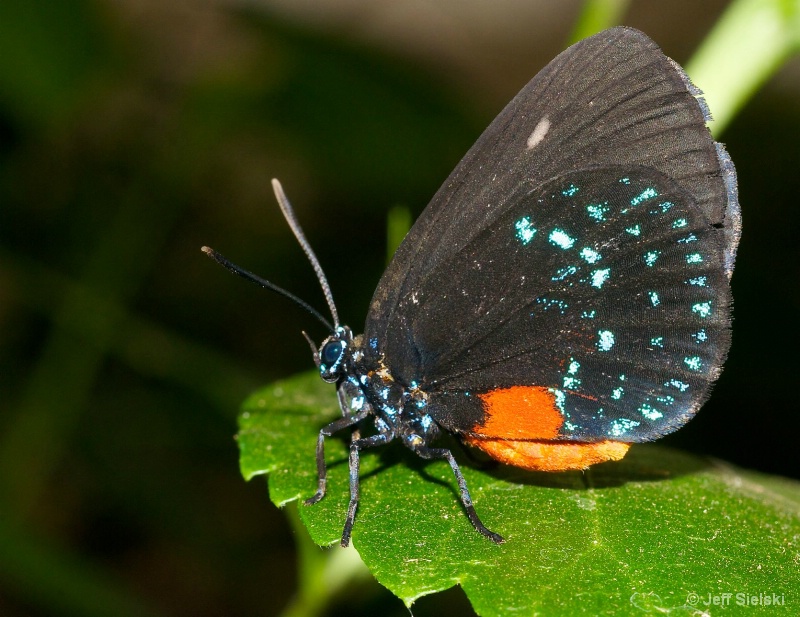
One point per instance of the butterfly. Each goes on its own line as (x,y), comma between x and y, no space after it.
(565,294)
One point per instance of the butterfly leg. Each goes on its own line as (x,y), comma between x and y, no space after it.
(355,447)
(327,431)
(432,453)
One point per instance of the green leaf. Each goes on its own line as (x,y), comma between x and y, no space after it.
(635,537)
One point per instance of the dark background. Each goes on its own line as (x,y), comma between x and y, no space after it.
(133,132)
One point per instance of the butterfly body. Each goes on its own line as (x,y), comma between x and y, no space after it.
(369,389)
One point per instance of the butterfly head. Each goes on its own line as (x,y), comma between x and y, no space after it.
(333,354)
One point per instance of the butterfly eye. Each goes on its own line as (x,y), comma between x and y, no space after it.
(331,353)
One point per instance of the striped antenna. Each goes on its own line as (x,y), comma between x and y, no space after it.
(288,214)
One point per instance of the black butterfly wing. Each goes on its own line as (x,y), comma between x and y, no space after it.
(457,309)
(604,287)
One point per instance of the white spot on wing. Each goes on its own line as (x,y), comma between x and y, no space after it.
(539,132)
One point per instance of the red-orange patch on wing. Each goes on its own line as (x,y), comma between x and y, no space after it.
(520,412)
(552,455)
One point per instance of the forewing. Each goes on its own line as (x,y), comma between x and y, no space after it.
(612,99)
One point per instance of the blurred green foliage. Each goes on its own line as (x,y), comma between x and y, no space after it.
(132,133)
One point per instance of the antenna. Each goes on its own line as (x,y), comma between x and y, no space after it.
(288,214)
(221,260)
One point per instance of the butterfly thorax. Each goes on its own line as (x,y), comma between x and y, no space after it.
(398,410)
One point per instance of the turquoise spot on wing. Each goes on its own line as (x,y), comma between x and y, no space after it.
(570,191)
(678,223)
(693,362)
(657,341)
(571,381)
(564,273)
(662,208)
(698,281)
(621,426)
(649,412)
(646,194)
(635,230)
(606,340)
(599,277)
(598,211)
(560,397)
(675,383)
(650,258)
(549,303)
(525,230)
(702,308)
(561,239)
(590,255)
(654,299)
(701,336)
(694,258)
